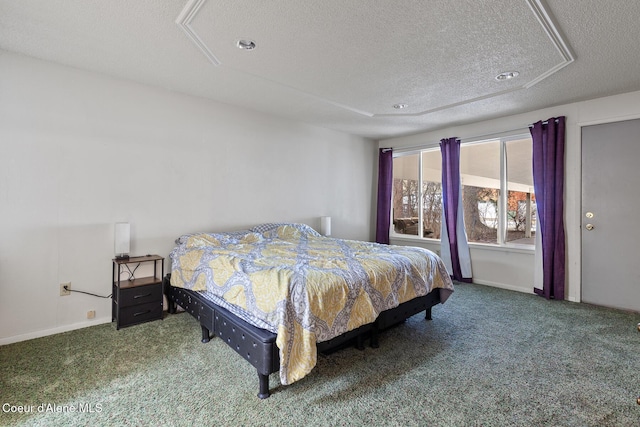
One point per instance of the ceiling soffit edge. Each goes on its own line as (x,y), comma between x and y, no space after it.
(538,7)
(184,22)
(547,21)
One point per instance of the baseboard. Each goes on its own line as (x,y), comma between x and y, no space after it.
(517,289)
(53,331)
(504,286)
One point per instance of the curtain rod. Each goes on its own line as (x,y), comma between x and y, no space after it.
(546,122)
(475,138)
(472,138)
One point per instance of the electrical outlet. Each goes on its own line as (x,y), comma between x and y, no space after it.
(64,292)
(91,314)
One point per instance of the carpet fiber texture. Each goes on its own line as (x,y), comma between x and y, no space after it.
(489,357)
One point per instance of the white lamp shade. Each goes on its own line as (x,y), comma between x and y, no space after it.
(325,226)
(122,238)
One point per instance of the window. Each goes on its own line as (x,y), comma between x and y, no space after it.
(431,193)
(521,200)
(406,202)
(497,192)
(480,175)
(415,204)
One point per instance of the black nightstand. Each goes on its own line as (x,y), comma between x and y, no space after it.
(136,300)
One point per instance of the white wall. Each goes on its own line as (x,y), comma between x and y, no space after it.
(81,151)
(515,270)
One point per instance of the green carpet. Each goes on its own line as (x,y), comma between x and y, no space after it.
(489,357)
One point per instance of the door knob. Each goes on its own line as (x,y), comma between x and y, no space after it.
(589,227)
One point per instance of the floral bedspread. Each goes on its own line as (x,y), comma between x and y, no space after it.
(306,287)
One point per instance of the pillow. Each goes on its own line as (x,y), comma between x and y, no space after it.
(185,237)
(303,228)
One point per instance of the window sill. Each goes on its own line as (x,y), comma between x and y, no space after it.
(525,249)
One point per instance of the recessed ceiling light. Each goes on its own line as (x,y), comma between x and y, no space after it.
(400,106)
(246,44)
(508,75)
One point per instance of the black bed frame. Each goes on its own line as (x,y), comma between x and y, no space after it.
(258,346)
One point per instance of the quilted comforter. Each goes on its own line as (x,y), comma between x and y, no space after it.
(304,287)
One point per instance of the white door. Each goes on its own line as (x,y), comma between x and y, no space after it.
(611,215)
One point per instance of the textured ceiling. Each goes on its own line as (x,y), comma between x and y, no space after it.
(343,64)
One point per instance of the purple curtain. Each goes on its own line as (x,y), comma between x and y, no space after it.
(548,181)
(450,149)
(385,185)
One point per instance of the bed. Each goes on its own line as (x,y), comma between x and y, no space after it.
(279,293)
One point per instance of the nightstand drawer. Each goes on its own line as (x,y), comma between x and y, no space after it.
(140,295)
(140,313)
